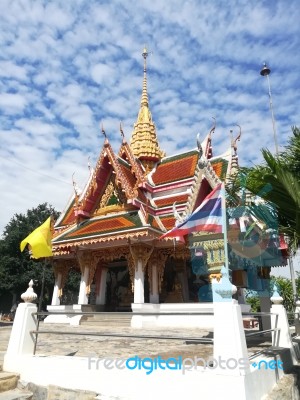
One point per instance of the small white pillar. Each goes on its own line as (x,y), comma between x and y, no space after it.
(139,283)
(230,349)
(101,295)
(154,296)
(21,341)
(57,286)
(297,318)
(83,298)
(281,338)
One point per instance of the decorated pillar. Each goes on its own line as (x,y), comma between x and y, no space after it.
(156,265)
(139,256)
(57,285)
(61,270)
(88,263)
(212,248)
(83,297)
(215,257)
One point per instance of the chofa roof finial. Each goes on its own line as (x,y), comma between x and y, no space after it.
(121,131)
(77,190)
(213,127)
(103,131)
(233,142)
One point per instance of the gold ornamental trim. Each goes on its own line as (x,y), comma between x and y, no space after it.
(65,246)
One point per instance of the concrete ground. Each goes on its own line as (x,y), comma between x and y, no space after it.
(57,343)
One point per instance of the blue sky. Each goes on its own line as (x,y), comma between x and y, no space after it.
(67,66)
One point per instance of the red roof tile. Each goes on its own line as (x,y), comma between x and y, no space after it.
(182,198)
(168,222)
(102,226)
(69,216)
(176,168)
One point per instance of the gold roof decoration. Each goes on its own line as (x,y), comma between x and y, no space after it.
(144,143)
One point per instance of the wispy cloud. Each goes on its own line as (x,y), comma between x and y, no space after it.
(65,67)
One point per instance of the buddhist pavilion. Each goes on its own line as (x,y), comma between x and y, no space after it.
(111,230)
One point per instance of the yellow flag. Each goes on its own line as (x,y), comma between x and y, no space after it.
(39,241)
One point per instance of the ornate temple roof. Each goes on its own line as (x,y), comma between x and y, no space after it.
(138,193)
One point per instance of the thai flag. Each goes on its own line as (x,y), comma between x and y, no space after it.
(207,217)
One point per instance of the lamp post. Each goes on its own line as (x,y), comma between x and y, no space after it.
(266,72)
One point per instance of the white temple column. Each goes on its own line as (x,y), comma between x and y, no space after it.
(154,296)
(57,286)
(137,261)
(83,298)
(101,295)
(139,283)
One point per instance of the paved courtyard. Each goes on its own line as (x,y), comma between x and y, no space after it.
(58,343)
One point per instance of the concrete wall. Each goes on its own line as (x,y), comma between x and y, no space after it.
(74,373)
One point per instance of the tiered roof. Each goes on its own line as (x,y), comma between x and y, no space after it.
(131,194)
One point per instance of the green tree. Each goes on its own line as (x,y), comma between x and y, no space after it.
(285,289)
(16,268)
(253,300)
(277,182)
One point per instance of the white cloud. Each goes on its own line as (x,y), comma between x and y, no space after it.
(12,103)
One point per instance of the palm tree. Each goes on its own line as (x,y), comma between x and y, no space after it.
(277,182)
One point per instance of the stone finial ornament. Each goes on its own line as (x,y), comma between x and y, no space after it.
(225,288)
(276,298)
(29,296)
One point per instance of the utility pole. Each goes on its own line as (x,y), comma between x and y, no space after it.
(266,72)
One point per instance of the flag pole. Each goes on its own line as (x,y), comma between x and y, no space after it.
(40,305)
(43,286)
(224,225)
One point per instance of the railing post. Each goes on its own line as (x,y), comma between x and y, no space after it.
(281,337)
(297,318)
(21,341)
(230,348)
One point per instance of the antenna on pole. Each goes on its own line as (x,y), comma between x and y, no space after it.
(265,71)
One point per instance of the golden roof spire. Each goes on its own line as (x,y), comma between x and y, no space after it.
(144,143)
(144,100)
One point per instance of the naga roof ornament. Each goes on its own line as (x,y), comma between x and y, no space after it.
(234,156)
(233,142)
(144,143)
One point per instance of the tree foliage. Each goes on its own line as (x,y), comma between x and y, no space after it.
(277,182)
(16,268)
(285,290)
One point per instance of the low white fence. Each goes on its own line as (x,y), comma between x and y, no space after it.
(231,377)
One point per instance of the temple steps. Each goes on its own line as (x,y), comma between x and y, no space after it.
(8,385)
(8,381)
(107,320)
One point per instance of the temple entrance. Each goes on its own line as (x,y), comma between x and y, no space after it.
(71,287)
(118,291)
(198,281)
